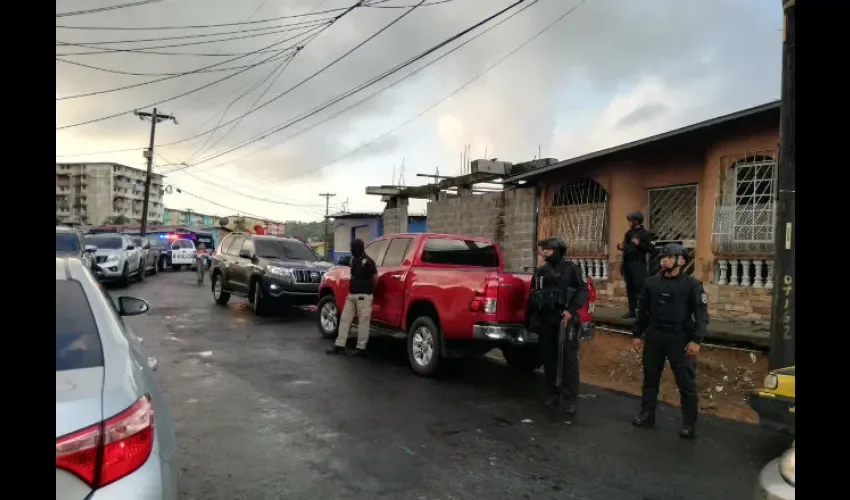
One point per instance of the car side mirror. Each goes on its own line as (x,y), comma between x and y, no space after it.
(90,249)
(129,247)
(244,254)
(345,260)
(132,306)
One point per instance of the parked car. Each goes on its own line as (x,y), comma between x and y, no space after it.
(149,255)
(777,478)
(107,399)
(70,243)
(179,254)
(269,270)
(448,296)
(118,259)
(776,402)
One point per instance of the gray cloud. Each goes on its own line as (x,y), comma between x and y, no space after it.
(611,45)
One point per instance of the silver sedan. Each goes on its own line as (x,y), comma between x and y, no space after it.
(114,434)
(777,478)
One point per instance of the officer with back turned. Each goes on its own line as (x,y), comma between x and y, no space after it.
(637,243)
(557,291)
(671,323)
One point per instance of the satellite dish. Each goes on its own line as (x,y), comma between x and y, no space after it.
(223,221)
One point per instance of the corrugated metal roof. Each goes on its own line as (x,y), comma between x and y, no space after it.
(355,215)
(771,106)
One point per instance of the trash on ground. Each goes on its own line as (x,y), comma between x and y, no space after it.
(203,354)
(527,421)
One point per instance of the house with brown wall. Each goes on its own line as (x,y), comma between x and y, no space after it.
(709,186)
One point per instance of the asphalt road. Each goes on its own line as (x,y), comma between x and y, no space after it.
(262,412)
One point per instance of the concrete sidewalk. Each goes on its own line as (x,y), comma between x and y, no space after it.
(718,329)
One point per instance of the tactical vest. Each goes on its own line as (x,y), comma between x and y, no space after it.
(547,293)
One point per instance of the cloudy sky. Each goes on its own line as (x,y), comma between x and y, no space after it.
(610,72)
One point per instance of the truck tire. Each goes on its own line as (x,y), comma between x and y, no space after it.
(523,359)
(259,302)
(423,346)
(328,317)
(219,295)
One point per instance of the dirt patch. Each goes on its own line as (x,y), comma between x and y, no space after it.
(724,377)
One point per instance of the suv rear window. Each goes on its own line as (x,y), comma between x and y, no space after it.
(67,242)
(460,253)
(77,339)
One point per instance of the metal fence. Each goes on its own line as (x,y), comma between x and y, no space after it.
(745,212)
(673,218)
(578,213)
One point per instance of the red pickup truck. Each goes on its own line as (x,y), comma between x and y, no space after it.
(448,296)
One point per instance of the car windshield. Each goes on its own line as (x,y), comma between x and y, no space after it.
(67,242)
(284,249)
(104,242)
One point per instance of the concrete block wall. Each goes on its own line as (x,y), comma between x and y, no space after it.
(394,220)
(508,218)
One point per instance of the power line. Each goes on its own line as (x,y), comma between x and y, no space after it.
(456,91)
(144,50)
(102,9)
(166,78)
(362,86)
(199,35)
(302,82)
(95,120)
(237,211)
(281,55)
(372,95)
(376,6)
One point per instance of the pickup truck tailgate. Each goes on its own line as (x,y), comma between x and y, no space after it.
(513,293)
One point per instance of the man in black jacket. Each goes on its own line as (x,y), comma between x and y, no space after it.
(558,290)
(672,316)
(637,244)
(364,274)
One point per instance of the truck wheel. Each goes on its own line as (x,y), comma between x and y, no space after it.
(522,359)
(219,295)
(423,346)
(259,304)
(328,317)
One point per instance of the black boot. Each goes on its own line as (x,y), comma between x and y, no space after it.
(687,432)
(335,350)
(629,315)
(359,353)
(552,399)
(644,419)
(570,408)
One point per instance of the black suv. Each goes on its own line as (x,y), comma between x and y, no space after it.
(269,270)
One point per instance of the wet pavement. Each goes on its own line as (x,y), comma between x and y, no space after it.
(262,412)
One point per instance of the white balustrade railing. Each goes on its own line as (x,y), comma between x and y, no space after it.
(753,273)
(593,268)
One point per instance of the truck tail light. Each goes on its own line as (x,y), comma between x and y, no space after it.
(107,451)
(486,297)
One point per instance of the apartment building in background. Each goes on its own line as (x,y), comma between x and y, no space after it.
(96,193)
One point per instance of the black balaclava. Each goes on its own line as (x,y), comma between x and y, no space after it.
(556,257)
(357,247)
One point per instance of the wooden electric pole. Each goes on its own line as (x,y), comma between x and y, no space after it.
(327,197)
(154,118)
(783,318)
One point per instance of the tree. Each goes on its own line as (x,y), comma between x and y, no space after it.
(117,220)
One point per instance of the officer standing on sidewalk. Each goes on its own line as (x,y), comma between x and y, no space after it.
(637,244)
(557,292)
(672,317)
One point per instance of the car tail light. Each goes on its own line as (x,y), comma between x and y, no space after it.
(109,450)
(486,297)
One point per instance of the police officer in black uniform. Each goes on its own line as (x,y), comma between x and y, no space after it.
(558,290)
(637,243)
(671,323)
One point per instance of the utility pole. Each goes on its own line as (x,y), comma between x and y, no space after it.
(783,318)
(154,118)
(327,197)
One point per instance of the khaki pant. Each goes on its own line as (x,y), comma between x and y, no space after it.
(199,263)
(360,303)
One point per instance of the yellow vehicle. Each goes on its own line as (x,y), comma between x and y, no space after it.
(775,403)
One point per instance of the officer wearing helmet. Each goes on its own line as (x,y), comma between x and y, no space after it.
(637,243)
(671,323)
(558,290)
